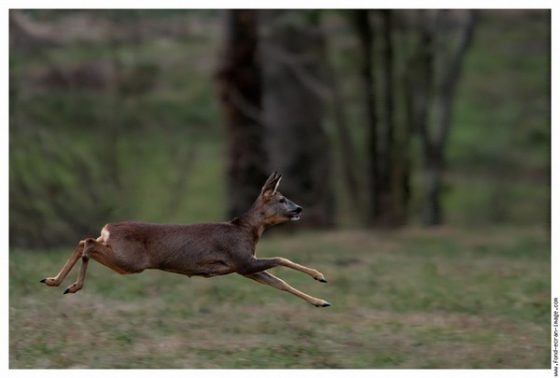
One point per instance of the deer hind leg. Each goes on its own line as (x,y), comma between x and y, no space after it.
(104,255)
(72,260)
(269,279)
(89,246)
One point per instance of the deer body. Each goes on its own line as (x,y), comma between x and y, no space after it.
(206,250)
(200,249)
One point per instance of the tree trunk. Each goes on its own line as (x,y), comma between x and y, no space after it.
(240,89)
(431,211)
(434,143)
(433,167)
(407,84)
(363,28)
(349,166)
(294,112)
(388,99)
(389,204)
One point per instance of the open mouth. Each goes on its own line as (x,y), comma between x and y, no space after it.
(295,215)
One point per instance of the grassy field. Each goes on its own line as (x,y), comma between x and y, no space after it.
(407,299)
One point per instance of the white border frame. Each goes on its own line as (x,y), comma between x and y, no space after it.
(295,4)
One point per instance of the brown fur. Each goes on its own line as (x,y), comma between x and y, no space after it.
(206,250)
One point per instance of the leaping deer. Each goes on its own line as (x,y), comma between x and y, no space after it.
(206,250)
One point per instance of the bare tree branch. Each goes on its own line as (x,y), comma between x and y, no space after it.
(295,62)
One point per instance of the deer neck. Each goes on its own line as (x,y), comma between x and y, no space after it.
(253,221)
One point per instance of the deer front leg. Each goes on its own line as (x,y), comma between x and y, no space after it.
(312,272)
(258,265)
(269,279)
(72,260)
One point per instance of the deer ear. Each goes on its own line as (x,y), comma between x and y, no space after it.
(271,184)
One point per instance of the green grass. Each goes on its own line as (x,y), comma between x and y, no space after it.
(408,299)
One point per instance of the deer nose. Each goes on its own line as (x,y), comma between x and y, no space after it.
(298,209)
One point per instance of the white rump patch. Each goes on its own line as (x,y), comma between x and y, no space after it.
(104,238)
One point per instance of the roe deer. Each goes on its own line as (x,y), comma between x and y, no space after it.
(195,250)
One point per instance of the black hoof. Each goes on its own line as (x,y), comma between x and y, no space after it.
(66,291)
(323,280)
(43,280)
(326,304)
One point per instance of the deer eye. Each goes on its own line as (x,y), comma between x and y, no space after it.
(282,200)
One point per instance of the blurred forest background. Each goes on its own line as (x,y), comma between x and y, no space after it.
(417,142)
(379,118)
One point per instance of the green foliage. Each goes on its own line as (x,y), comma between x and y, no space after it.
(499,152)
(113,134)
